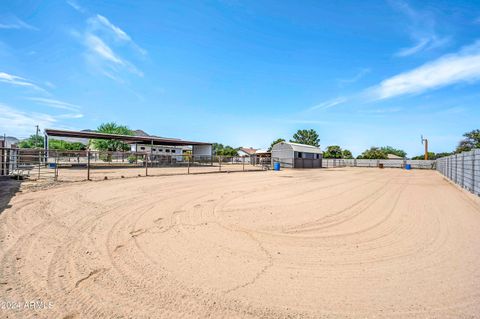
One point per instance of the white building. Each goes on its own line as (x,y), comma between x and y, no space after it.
(294,155)
(246,151)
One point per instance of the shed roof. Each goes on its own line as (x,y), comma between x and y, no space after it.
(393,156)
(125,138)
(301,147)
(248,150)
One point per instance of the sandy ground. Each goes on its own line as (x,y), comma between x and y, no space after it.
(336,243)
(99,173)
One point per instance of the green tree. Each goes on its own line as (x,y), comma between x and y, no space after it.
(33,141)
(431,156)
(471,140)
(333,151)
(216,147)
(373,153)
(221,150)
(307,137)
(65,145)
(112,145)
(394,151)
(347,154)
(278,140)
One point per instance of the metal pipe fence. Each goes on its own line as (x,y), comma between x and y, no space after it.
(462,169)
(96,165)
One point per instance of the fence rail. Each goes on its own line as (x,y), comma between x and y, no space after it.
(462,169)
(95,165)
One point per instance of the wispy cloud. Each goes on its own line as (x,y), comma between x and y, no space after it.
(383,110)
(55,103)
(422,30)
(74,4)
(98,47)
(19,123)
(463,66)
(360,74)
(11,21)
(328,104)
(103,40)
(19,81)
(101,23)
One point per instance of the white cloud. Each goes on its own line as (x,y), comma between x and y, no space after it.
(424,44)
(55,104)
(328,104)
(21,124)
(76,6)
(360,74)
(19,81)
(97,46)
(116,30)
(463,66)
(12,22)
(103,40)
(101,23)
(421,28)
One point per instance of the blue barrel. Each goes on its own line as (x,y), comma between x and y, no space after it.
(408,166)
(276,166)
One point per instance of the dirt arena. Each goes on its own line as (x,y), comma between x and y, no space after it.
(330,243)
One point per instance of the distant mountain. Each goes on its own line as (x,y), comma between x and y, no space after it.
(140,133)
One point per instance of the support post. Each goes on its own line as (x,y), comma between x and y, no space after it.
(39,163)
(88,165)
(56,167)
(146,164)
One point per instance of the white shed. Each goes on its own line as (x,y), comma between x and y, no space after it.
(294,155)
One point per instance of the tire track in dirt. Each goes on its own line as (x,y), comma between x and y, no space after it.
(338,243)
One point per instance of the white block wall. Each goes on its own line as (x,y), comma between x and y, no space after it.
(462,169)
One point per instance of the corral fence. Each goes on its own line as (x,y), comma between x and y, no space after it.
(36,164)
(386,163)
(462,169)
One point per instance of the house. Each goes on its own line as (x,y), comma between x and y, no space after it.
(294,155)
(394,157)
(246,151)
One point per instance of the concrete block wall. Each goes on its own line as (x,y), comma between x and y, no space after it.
(462,169)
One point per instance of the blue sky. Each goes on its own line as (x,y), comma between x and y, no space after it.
(244,73)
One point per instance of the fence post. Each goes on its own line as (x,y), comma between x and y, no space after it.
(88,165)
(146,164)
(56,167)
(188,167)
(463,170)
(243,163)
(219,163)
(39,163)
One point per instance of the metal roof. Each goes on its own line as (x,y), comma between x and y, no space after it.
(125,138)
(301,147)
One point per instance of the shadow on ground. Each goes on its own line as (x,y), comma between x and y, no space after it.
(8,189)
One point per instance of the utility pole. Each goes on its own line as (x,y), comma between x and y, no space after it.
(425,142)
